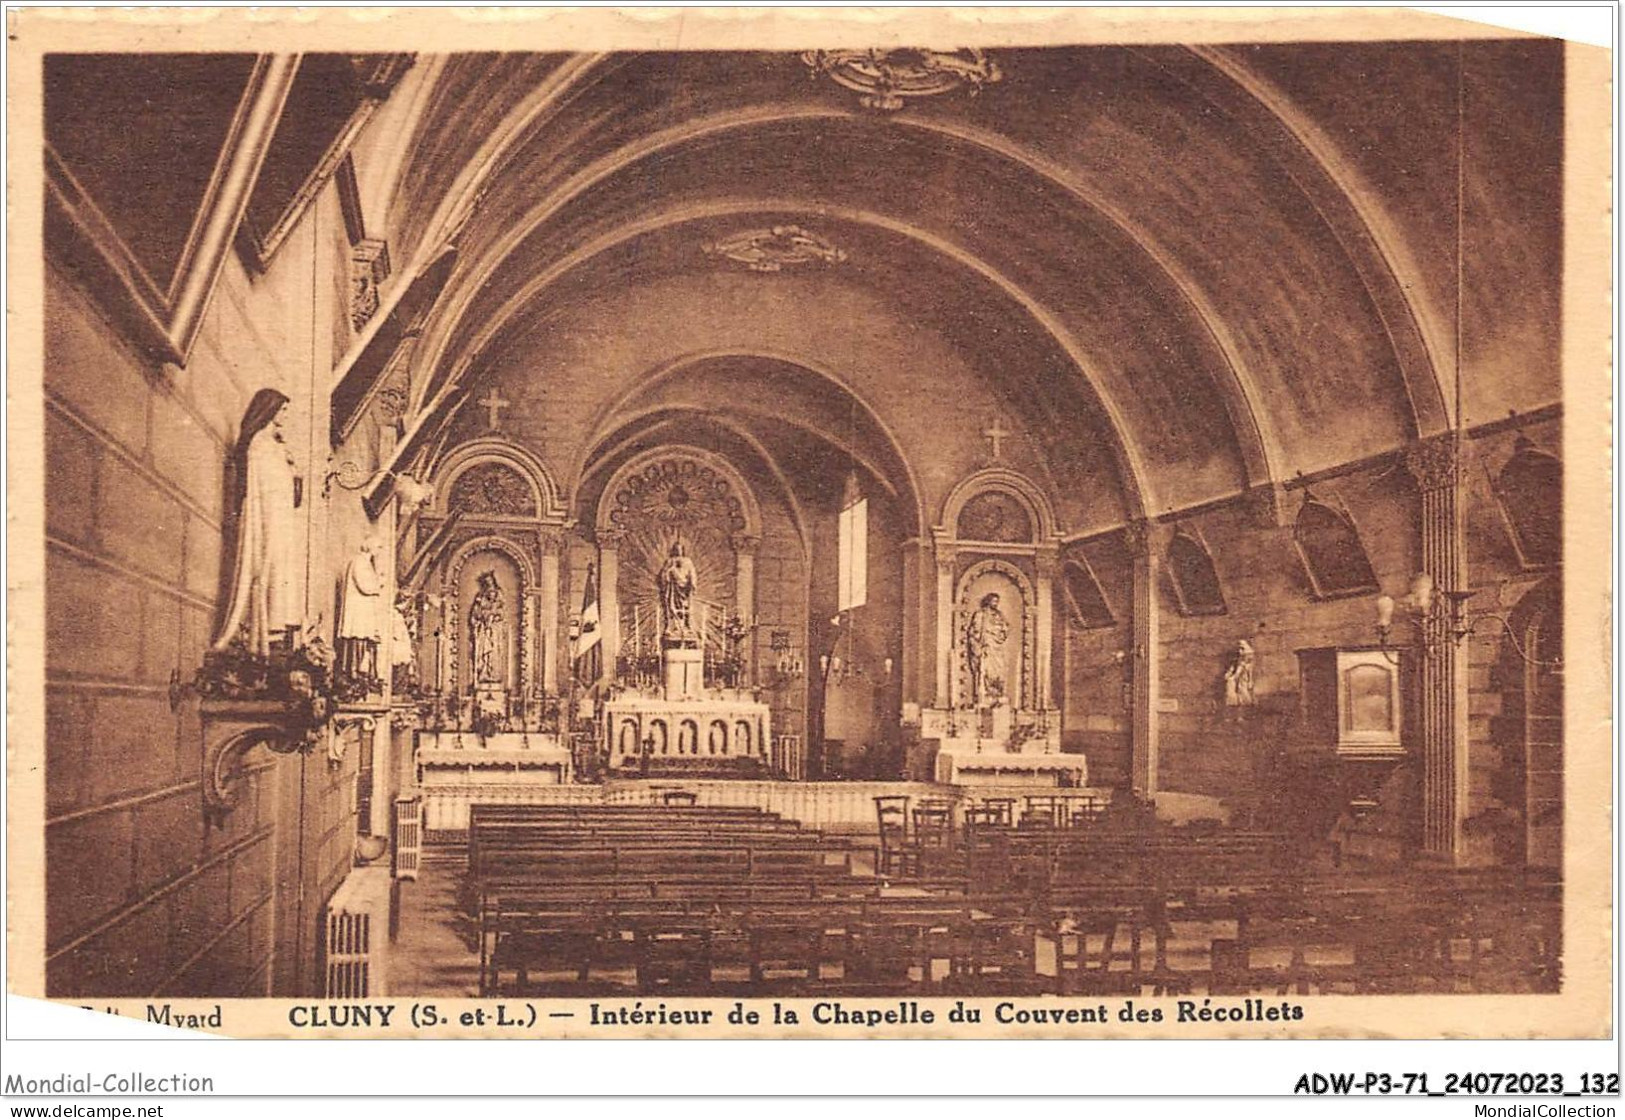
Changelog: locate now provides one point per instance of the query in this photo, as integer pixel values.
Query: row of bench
(979, 945)
(699, 901)
(847, 944)
(670, 853)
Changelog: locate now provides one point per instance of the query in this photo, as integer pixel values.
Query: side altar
(997, 746)
(998, 560)
(460, 755)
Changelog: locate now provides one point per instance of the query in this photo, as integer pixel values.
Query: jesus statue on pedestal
(676, 582)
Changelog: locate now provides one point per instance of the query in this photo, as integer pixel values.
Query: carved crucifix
(996, 433)
(493, 403)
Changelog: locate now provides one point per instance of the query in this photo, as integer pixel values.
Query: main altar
(555, 657)
(697, 719)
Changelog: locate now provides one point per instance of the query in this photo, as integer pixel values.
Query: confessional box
(1353, 701)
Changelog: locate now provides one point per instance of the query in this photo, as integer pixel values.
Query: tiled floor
(436, 947)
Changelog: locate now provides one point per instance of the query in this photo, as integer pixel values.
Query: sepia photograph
(1079, 532)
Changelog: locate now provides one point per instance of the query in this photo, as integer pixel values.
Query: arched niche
(1004, 591)
(997, 525)
(491, 490)
(655, 499)
(516, 577)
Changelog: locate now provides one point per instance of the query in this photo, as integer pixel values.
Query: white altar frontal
(727, 728)
(528, 758)
(998, 746)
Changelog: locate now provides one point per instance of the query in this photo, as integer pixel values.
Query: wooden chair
(1083, 809)
(1043, 811)
(891, 813)
(1004, 809)
(933, 836)
(1091, 957)
(982, 818)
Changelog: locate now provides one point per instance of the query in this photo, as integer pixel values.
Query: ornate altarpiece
(707, 723)
(997, 537)
(495, 510)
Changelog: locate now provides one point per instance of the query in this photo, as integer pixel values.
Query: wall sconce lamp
(349, 476)
(1439, 615)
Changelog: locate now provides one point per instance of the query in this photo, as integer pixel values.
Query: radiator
(788, 758)
(408, 837)
(357, 944)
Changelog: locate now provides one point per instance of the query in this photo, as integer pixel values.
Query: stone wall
(1256, 760)
(144, 896)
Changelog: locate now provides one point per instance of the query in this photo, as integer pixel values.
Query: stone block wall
(144, 895)
(1255, 759)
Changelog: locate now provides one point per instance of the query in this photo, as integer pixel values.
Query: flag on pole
(589, 651)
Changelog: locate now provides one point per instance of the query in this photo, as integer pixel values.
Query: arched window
(1195, 581)
(1330, 548)
(1530, 491)
(852, 548)
(1084, 597)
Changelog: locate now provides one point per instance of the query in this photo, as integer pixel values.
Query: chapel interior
(1050, 520)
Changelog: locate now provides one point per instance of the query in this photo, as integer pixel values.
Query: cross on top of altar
(493, 403)
(996, 433)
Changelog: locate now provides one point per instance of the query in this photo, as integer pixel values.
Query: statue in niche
(488, 629)
(676, 583)
(1238, 678)
(986, 635)
(362, 612)
(263, 607)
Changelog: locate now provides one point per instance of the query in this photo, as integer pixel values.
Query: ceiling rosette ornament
(886, 78)
(769, 250)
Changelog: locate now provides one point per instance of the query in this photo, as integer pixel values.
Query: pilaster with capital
(745, 547)
(947, 562)
(1046, 562)
(609, 604)
(915, 604)
(1140, 540)
(1438, 467)
(551, 543)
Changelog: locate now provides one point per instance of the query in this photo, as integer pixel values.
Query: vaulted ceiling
(1183, 272)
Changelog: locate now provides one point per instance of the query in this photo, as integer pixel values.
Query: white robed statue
(363, 613)
(263, 602)
(986, 635)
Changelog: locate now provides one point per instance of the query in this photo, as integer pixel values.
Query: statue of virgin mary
(488, 632)
(264, 589)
